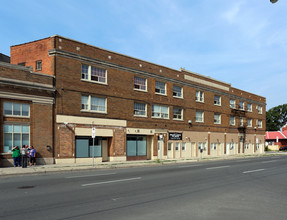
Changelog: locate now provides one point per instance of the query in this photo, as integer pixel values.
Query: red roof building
(277, 137)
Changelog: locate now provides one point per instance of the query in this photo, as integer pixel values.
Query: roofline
(116, 52)
(30, 42)
(23, 68)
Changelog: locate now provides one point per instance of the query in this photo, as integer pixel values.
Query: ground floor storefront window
(15, 135)
(136, 146)
(85, 147)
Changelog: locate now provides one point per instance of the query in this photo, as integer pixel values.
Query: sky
(242, 42)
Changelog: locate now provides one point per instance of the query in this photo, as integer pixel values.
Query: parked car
(283, 148)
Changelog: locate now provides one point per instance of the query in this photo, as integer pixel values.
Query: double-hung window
(160, 88)
(199, 116)
(259, 123)
(199, 96)
(260, 109)
(217, 100)
(241, 121)
(241, 105)
(94, 74)
(232, 120)
(249, 107)
(140, 83)
(177, 91)
(217, 118)
(94, 104)
(177, 113)
(16, 109)
(159, 111)
(232, 103)
(139, 109)
(249, 122)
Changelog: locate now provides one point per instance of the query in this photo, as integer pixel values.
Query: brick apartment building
(139, 110)
(27, 100)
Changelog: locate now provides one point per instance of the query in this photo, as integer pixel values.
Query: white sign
(93, 132)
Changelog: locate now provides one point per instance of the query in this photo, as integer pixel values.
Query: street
(251, 188)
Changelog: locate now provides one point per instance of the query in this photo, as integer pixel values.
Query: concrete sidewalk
(38, 169)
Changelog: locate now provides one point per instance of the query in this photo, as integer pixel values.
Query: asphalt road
(253, 188)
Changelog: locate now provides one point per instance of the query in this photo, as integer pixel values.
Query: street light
(273, 1)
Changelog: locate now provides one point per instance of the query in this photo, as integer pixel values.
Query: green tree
(276, 118)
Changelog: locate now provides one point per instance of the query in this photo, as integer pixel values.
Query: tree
(276, 118)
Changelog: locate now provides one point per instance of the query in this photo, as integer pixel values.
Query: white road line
(112, 181)
(189, 166)
(269, 161)
(252, 171)
(212, 168)
(104, 174)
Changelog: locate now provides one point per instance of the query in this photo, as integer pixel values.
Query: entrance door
(227, 148)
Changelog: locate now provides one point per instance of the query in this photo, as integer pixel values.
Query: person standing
(24, 151)
(32, 154)
(16, 156)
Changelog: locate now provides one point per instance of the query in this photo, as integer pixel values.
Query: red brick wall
(32, 52)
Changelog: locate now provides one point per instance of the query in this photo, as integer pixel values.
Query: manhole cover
(26, 187)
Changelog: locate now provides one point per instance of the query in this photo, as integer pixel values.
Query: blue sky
(242, 42)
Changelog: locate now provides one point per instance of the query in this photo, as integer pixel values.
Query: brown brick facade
(63, 58)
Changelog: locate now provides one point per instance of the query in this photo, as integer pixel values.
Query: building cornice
(25, 97)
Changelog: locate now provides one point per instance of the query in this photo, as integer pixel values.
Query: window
(217, 100)
(232, 120)
(139, 109)
(241, 121)
(39, 65)
(201, 146)
(15, 135)
(183, 146)
(241, 105)
(159, 111)
(249, 122)
(259, 123)
(213, 146)
(169, 144)
(176, 146)
(199, 116)
(140, 83)
(88, 147)
(249, 107)
(16, 109)
(177, 113)
(94, 74)
(217, 119)
(95, 104)
(232, 103)
(231, 146)
(136, 145)
(260, 109)
(160, 88)
(199, 96)
(246, 146)
(177, 91)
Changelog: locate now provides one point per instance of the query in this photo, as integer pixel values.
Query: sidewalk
(4, 171)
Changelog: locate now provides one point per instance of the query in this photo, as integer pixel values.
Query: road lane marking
(104, 174)
(269, 161)
(189, 166)
(212, 168)
(112, 181)
(252, 171)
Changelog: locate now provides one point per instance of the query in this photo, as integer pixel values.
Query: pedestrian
(16, 156)
(32, 155)
(24, 152)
